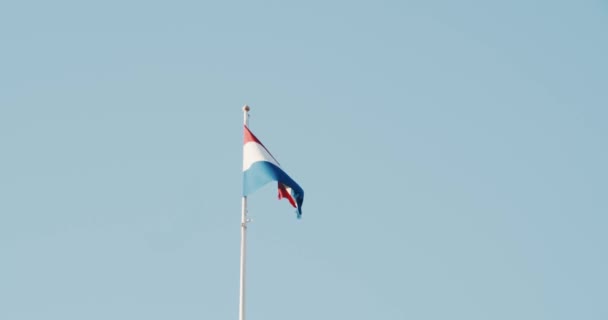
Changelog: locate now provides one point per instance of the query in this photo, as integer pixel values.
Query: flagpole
(244, 222)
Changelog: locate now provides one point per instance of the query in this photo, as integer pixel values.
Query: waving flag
(260, 168)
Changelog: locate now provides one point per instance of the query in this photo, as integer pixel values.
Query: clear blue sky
(453, 155)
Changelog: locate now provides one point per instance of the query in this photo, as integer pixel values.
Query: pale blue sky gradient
(453, 155)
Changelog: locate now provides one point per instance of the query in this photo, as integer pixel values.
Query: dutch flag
(260, 168)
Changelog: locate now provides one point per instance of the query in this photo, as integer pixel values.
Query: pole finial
(246, 115)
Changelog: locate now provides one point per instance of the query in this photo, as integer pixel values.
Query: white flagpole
(244, 222)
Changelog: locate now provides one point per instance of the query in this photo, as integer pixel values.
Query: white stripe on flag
(254, 152)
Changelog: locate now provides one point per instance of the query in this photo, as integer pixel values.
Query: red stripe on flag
(250, 137)
(284, 193)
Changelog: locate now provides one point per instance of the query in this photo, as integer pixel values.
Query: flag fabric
(260, 168)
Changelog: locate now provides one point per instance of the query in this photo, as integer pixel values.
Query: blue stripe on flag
(262, 172)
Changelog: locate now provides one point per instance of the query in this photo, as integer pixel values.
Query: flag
(260, 168)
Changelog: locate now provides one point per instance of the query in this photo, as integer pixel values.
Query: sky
(453, 156)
